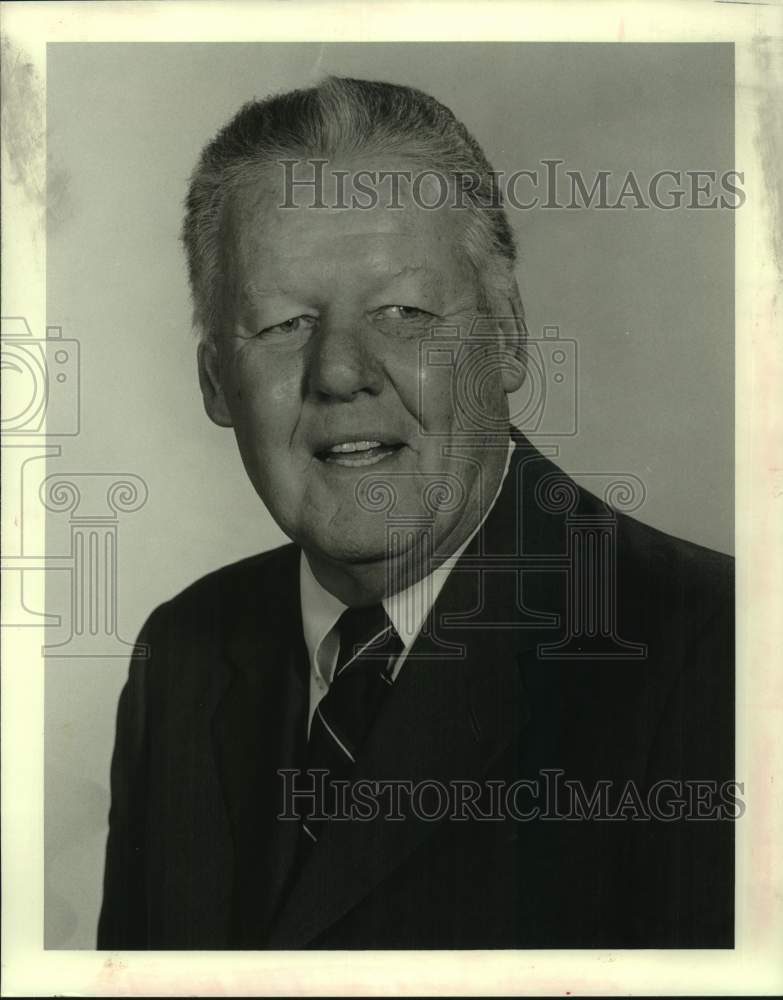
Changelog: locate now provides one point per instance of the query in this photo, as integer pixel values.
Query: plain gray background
(647, 295)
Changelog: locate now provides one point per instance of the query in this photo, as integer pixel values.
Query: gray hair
(342, 116)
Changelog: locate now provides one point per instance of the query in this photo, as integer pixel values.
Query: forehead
(265, 240)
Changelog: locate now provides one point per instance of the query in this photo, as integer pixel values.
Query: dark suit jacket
(543, 677)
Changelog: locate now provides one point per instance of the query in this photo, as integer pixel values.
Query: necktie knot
(366, 634)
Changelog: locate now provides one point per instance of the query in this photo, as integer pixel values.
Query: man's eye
(297, 324)
(404, 313)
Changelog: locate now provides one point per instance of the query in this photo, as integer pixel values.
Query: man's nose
(342, 363)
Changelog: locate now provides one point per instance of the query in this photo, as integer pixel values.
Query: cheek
(263, 394)
(467, 394)
(432, 395)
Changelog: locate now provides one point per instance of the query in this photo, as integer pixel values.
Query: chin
(349, 550)
(347, 543)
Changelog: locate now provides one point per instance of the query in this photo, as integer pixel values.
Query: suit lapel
(258, 727)
(438, 725)
(446, 719)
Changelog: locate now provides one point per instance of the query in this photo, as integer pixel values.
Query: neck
(359, 584)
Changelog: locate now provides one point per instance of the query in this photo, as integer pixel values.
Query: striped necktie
(369, 648)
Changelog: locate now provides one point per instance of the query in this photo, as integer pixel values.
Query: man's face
(319, 368)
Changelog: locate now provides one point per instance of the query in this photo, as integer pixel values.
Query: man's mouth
(354, 454)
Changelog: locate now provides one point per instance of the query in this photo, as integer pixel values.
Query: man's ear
(211, 384)
(514, 333)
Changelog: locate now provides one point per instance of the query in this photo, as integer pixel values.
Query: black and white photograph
(378, 477)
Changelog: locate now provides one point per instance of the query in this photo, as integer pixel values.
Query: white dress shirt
(406, 609)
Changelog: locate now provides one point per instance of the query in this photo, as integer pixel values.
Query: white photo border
(753, 967)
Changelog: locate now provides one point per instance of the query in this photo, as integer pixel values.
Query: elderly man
(397, 731)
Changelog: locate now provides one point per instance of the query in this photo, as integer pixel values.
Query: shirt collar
(406, 609)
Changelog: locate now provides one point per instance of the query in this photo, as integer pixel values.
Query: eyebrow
(409, 269)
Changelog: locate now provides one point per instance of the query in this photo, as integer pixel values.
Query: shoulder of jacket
(225, 585)
(692, 565)
(653, 553)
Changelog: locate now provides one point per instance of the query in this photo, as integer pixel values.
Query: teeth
(350, 446)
